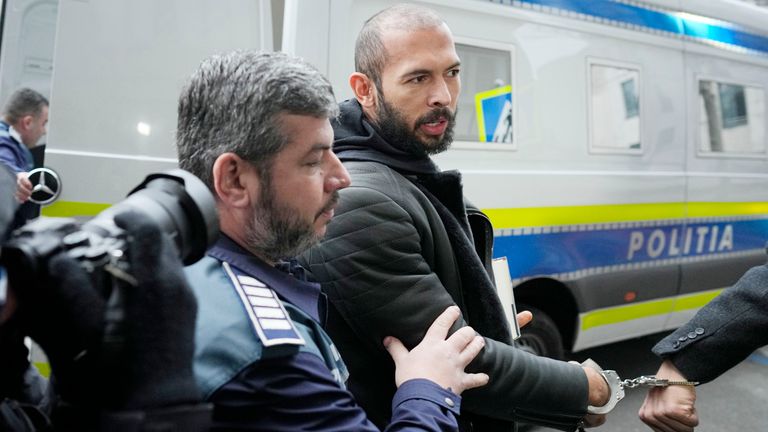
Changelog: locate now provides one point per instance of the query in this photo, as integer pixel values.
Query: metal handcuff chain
(616, 386)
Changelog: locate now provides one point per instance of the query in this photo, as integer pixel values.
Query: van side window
(614, 108)
(485, 109)
(731, 119)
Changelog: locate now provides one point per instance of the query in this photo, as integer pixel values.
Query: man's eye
(453, 73)
(419, 79)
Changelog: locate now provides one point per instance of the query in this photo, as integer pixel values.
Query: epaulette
(267, 313)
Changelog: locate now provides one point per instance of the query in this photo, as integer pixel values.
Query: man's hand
(670, 409)
(524, 318)
(23, 187)
(438, 359)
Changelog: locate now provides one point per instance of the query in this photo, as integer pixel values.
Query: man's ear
(364, 89)
(233, 180)
(26, 122)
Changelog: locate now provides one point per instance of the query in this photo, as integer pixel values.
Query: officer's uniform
(18, 158)
(265, 362)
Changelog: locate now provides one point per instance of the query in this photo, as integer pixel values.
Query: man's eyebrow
(427, 71)
(319, 147)
(417, 72)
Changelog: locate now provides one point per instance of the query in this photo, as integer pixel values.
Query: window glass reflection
(732, 118)
(485, 102)
(615, 108)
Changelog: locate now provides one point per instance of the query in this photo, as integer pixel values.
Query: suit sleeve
(299, 393)
(372, 267)
(722, 333)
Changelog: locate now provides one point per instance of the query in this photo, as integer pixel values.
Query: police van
(618, 146)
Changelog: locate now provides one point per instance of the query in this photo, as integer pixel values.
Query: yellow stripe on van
(618, 314)
(73, 209)
(591, 214)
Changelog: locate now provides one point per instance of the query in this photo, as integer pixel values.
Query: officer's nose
(339, 177)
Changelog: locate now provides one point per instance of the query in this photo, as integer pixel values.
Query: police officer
(255, 127)
(23, 123)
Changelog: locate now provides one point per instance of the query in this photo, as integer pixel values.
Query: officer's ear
(236, 181)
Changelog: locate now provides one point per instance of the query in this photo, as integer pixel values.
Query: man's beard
(395, 130)
(276, 232)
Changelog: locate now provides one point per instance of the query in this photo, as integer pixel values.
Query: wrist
(609, 399)
(599, 390)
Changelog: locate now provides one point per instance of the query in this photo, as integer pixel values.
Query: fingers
(442, 324)
(472, 349)
(395, 348)
(23, 187)
(524, 318)
(669, 410)
(475, 380)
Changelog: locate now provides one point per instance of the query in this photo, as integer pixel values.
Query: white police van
(618, 146)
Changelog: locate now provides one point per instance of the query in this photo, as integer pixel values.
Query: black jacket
(402, 247)
(722, 333)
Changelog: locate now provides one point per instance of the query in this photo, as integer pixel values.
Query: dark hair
(24, 102)
(232, 104)
(370, 54)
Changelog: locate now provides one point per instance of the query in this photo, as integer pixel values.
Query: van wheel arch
(555, 317)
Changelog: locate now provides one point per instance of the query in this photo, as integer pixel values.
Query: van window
(732, 118)
(485, 110)
(614, 99)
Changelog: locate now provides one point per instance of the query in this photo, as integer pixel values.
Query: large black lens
(182, 207)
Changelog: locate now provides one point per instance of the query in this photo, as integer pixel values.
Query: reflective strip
(44, 368)
(630, 312)
(571, 215)
(73, 209)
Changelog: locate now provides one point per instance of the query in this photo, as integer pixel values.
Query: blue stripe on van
(534, 252)
(670, 22)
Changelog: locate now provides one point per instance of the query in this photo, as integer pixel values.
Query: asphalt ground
(737, 401)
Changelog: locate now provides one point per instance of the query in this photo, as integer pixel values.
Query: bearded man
(404, 244)
(255, 128)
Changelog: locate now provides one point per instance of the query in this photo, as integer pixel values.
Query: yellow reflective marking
(43, 368)
(615, 315)
(479, 97)
(709, 209)
(591, 214)
(72, 209)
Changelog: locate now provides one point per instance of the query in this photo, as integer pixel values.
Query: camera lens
(180, 204)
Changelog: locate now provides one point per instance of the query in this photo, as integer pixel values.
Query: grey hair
(233, 101)
(370, 53)
(24, 102)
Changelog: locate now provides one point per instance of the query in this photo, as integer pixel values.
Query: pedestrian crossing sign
(494, 115)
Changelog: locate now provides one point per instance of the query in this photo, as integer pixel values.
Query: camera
(179, 203)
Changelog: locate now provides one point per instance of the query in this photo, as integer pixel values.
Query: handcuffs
(616, 386)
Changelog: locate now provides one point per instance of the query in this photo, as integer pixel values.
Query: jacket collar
(286, 279)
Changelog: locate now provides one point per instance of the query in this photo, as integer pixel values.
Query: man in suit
(718, 337)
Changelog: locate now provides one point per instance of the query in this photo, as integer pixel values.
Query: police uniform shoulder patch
(265, 310)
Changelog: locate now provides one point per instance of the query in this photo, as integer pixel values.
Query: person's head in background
(407, 77)
(27, 112)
